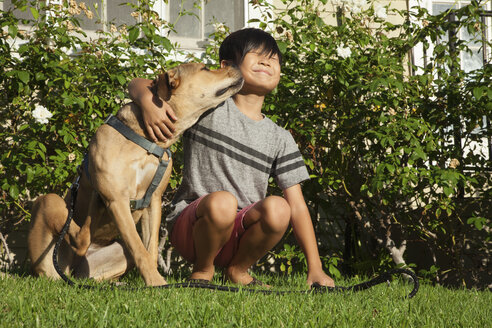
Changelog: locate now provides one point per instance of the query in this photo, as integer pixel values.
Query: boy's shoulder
(283, 132)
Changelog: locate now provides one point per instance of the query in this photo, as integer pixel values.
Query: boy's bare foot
(242, 278)
(202, 274)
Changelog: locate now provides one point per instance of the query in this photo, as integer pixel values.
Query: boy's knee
(276, 213)
(220, 208)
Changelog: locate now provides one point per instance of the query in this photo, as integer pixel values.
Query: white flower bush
(41, 114)
(343, 51)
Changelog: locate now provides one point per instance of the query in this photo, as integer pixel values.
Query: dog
(102, 241)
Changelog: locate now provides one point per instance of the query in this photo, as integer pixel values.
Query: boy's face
(261, 73)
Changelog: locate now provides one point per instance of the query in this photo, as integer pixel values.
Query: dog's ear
(164, 83)
(173, 76)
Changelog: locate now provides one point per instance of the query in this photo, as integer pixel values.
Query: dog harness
(150, 147)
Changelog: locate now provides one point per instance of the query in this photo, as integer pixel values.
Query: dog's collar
(131, 135)
(151, 148)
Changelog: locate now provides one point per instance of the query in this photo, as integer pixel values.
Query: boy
(222, 215)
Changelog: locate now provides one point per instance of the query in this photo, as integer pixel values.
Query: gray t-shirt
(226, 150)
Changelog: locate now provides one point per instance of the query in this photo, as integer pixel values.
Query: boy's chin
(260, 90)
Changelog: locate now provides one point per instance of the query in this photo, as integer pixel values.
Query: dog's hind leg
(104, 263)
(48, 216)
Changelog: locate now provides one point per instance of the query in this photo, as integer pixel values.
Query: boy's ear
(164, 83)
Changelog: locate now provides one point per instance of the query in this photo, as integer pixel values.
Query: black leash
(315, 288)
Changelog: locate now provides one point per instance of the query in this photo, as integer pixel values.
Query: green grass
(35, 302)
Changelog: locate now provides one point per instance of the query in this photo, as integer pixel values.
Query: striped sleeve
(289, 168)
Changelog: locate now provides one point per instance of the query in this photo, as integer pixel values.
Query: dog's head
(192, 88)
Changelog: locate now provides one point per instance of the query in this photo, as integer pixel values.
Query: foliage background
(378, 141)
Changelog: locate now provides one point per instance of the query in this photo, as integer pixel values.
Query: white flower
(454, 163)
(355, 6)
(380, 11)
(343, 52)
(219, 27)
(41, 114)
(71, 157)
(7, 124)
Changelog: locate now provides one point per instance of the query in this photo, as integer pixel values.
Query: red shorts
(182, 235)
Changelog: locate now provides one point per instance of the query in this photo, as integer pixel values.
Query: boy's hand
(158, 119)
(157, 115)
(320, 277)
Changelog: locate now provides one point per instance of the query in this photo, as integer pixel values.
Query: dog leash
(315, 288)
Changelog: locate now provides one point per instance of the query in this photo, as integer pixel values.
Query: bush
(381, 141)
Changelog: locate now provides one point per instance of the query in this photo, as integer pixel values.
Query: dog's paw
(155, 280)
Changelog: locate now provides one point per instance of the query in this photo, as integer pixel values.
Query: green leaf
(166, 43)
(478, 222)
(23, 76)
(13, 31)
(121, 79)
(334, 271)
(14, 191)
(477, 93)
(34, 12)
(282, 46)
(133, 34)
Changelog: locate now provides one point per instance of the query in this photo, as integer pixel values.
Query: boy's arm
(157, 114)
(304, 232)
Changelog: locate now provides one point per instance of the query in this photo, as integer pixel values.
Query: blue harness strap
(150, 147)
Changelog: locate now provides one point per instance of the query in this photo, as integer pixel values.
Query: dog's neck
(183, 121)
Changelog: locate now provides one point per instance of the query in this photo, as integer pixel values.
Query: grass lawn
(33, 302)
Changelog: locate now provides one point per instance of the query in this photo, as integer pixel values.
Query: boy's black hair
(237, 44)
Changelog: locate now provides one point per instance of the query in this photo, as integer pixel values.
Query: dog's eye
(204, 68)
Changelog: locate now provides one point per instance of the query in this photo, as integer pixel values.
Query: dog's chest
(144, 172)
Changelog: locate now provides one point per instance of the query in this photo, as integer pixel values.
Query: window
(103, 12)
(108, 12)
(205, 13)
(478, 56)
(7, 4)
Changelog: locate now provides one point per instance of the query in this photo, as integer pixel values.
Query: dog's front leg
(151, 223)
(146, 264)
(146, 227)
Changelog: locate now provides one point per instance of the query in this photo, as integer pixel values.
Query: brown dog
(119, 171)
